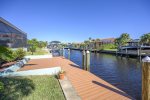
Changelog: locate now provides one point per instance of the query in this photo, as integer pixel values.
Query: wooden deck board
(87, 85)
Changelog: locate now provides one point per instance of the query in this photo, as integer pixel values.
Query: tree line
(125, 38)
(122, 40)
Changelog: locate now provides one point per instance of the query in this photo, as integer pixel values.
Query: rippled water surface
(121, 72)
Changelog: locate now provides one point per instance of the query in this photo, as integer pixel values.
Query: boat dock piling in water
(88, 60)
(84, 59)
(146, 78)
(69, 54)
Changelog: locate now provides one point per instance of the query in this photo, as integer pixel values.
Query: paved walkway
(87, 85)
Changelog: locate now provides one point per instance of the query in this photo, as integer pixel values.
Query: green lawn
(111, 49)
(38, 52)
(31, 88)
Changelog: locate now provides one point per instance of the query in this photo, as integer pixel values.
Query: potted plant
(61, 74)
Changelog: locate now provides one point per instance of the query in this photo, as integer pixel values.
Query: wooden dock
(127, 53)
(87, 85)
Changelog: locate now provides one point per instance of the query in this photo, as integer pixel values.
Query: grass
(39, 51)
(31, 88)
(111, 49)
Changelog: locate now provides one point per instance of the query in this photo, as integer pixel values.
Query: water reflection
(124, 73)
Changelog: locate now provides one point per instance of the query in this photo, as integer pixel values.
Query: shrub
(19, 54)
(6, 54)
(1, 86)
(107, 46)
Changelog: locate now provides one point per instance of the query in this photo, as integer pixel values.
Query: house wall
(11, 37)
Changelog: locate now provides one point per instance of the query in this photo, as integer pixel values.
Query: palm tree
(145, 39)
(124, 38)
(87, 42)
(97, 43)
(90, 39)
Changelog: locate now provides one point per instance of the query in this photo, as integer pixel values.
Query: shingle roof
(108, 40)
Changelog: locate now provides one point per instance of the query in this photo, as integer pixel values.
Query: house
(11, 36)
(134, 42)
(97, 43)
(108, 41)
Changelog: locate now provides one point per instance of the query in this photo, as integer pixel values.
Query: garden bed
(31, 88)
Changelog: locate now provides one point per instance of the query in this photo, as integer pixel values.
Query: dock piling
(84, 59)
(68, 53)
(87, 60)
(63, 52)
(146, 78)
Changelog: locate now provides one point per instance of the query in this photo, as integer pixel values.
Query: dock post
(69, 54)
(88, 60)
(140, 54)
(138, 51)
(83, 60)
(126, 52)
(60, 52)
(146, 78)
(63, 52)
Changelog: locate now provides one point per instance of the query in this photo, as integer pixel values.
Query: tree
(90, 38)
(86, 42)
(32, 49)
(82, 45)
(145, 39)
(42, 44)
(97, 40)
(33, 42)
(117, 42)
(97, 43)
(123, 39)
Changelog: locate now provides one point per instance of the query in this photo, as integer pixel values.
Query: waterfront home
(135, 50)
(134, 42)
(11, 36)
(108, 41)
(96, 44)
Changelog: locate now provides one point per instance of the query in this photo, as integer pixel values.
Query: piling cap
(146, 59)
(68, 49)
(87, 51)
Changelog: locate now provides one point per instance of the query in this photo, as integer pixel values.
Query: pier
(128, 51)
(87, 85)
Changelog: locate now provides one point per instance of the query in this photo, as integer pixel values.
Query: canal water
(123, 73)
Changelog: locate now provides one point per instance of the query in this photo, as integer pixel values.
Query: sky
(77, 20)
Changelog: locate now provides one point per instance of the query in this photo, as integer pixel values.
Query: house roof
(134, 41)
(7, 27)
(56, 42)
(108, 40)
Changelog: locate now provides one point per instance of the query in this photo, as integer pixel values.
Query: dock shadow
(73, 65)
(112, 89)
(29, 64)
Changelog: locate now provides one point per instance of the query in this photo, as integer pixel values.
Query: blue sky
(77, 20)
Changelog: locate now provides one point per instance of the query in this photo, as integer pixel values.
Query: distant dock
(137, 51)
